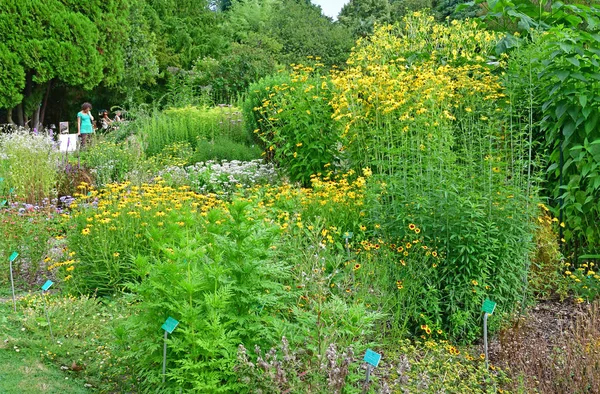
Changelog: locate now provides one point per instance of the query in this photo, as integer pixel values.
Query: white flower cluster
(221, 178)
(23, 140)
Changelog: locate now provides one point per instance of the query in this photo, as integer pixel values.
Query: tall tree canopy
(61, 41)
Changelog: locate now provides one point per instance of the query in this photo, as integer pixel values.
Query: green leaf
(568, 129)
(574, 61)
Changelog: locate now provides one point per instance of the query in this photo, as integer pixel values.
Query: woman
(85, 123)
(105, 121)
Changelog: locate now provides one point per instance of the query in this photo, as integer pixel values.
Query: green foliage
(295, 123)
(187, 30)
(26, 230)
(12, 76)
(223, 148)
(570, 123)
(28, 164)
(141, 63)
(435, 140)
(529, 15)
(303, 31)
(191, 125)
(221, 285)
(78, 46)
(448, 9)
(361, 16)
(109, 161)
(584, 280)
(231, 75)
(546, 279)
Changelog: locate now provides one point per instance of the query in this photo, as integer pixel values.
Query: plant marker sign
(45, 288)
(372, 359)
(488, 309)
(12, 258)
(347, 235)
(169, 326)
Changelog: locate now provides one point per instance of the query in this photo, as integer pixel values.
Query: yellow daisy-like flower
(85, 231)
(116, 254)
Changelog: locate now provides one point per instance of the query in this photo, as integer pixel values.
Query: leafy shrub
(295, 124)
(223, 287)
(420, 107)
(26, 229)
(256, 94)
(231, 75)
(28, 165)
(570, 125)
(109, 161)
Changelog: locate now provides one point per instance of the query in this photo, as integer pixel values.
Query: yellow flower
(116, 254)
(85, 231)
(356, 267)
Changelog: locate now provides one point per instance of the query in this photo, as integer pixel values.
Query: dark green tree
(304, 31)
(361, 16)
(58, 41)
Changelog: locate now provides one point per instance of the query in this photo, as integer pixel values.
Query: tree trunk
(45, 103)
(20, 119)
(9, 118)
(35, 119)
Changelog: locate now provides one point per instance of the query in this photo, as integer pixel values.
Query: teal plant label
(169, 325)
(372, 358)
(13, 256)
(2, 203)
(1, 179)
(47, 285)
(488, 306)
(12, 189)
(348, 234)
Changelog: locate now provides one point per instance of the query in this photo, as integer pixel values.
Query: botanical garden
(402, 200)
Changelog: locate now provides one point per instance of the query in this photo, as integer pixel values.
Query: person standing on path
(85, 123)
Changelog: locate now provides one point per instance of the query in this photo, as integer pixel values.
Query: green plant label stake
(347, 235)
(45, 288)
(487, 308)
(169, 325)
(12, 258)
(372, 359)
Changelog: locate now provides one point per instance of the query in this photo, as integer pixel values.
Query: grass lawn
(23, 371)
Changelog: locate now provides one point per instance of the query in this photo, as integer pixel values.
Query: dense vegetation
(295, 190)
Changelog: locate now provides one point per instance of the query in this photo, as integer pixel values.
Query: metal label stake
(169, 325)
(12, 258)
(45, 288)
(372, 359)
(487, 308)
(347, 235)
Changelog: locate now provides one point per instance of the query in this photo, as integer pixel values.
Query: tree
(12, 80)
(79, 45)
(360, 16)
(304, 31)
